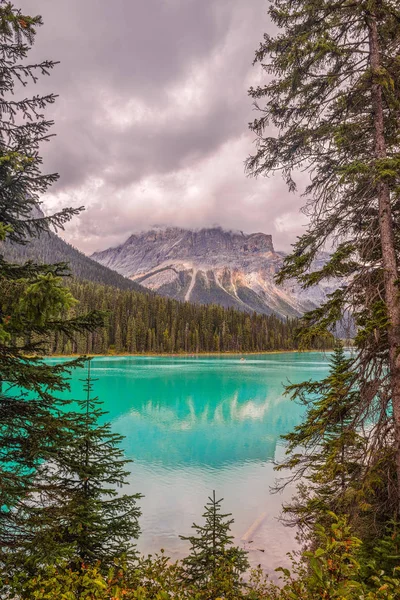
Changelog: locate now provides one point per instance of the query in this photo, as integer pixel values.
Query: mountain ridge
(49, 248)
(212, 265)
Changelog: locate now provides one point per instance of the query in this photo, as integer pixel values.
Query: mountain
(49, 248)
(139, 321)
(213, 265)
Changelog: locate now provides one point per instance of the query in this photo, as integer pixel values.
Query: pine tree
(75, 513)
(386, 551)
(34, 305)
(325, 453)
(332, 97)
(118, 339)
(214, 564)
(168, 318)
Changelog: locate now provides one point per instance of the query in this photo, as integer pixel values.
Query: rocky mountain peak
(210, 265)
(196, 242)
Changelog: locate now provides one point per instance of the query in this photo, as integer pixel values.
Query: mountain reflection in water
(193, 424)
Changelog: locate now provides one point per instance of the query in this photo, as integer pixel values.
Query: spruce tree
(325, 452)
(330, 106)
(214, 564)
(102, 522)
(34, 305)
(75, 515)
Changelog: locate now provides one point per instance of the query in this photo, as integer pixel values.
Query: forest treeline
(136, 322)
(139, 321)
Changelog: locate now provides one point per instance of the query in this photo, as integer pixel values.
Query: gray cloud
(152, 117)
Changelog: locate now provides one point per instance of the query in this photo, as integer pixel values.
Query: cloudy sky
(152, 117)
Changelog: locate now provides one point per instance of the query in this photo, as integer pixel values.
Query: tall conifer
(75, 514)
(325, 452)
(34, 306)
(330, 106)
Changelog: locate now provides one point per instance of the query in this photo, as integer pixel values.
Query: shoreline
(185, 354)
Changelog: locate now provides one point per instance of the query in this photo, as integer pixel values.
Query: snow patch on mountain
(213, 265)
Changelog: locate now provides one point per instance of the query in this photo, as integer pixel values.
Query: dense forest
(137, 322)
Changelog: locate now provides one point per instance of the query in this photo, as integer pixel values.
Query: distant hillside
(141, 321)
(50, 248)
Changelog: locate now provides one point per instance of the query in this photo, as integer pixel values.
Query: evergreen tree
(161, 324)
(386, 550)
(118, 339)
(75, 513)
(34, 306)
(214, 564)
(332, 99)
(325, 451)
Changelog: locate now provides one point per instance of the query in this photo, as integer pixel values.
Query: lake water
(194, 424)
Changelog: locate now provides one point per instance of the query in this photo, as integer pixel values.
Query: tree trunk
(389, 258)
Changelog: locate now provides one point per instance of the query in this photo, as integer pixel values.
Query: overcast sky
(152, 118)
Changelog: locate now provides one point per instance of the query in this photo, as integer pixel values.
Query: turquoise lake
(194, 424)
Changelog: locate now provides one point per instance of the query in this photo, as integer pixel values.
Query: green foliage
(143, 322)
(74, 511)
(317, 111)
(34, 424)
(332, 571)
(384, 552)
(44, 299)
(214, 564)
(325, 452)
(23, 128)
(152, 578)
(4, 231)
(329, 106)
